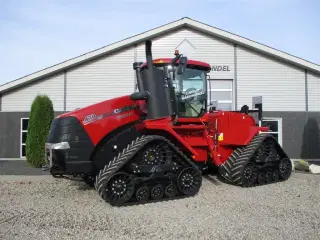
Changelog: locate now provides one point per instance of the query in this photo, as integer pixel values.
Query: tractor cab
(185, 84)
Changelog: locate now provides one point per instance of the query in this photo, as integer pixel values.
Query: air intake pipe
(153, 81)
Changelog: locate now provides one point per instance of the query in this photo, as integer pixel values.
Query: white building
(241, 69)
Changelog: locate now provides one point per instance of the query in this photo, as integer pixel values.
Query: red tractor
(155, 143)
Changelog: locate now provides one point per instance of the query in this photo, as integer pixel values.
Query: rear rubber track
(147, 171)
(261, 162)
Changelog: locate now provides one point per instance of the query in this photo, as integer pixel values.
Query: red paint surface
(195, 135)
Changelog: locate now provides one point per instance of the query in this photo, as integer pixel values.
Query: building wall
(281, 85)
(313, 92)
(10, 133)
(102, 79)
(20, 100)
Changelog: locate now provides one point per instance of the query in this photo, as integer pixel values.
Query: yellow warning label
(220, 137)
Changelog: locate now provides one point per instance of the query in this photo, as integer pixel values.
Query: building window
(275, 127)
(221, 91)
(23, 136)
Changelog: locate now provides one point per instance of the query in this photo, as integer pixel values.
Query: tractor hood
(104, 109)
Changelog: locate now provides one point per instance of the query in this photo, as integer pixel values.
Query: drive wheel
(285, 168)
(142, 194)
(189, 181)
(250, 174)
(157, 192)
(120, 188)
(170, 190)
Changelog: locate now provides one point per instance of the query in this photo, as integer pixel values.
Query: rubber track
(230, 162)
(239, 158)
(125, 156)
(244, 158)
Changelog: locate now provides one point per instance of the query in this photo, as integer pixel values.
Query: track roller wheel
(171, 190)
(285, 168)
(119, 188)
(250, 173)
(269, 177)
(157, 192)
(189, 181)
(142, 194)
(261, 178)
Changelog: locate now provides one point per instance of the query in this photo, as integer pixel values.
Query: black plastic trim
(69, 129)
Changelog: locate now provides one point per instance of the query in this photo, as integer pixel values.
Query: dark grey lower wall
(10, 133)
(300, 132)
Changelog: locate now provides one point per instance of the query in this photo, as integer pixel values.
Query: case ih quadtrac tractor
(155, 143)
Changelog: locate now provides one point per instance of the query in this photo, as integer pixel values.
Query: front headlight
(61, 145)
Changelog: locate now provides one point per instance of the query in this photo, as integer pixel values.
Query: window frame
(279, 132)
(21, 135)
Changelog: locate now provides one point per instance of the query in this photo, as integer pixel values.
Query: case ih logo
(90, 118)
(93, 117)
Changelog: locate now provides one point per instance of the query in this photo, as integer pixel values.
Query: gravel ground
(45, 208)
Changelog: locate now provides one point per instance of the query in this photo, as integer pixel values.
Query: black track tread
(241, 156)
(126, 155)
(228, 165)
(244, 158)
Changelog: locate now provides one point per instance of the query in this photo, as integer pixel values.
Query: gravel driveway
(61, 209)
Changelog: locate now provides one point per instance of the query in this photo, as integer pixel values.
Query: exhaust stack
(153, 81)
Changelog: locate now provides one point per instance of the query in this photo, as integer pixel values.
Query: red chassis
(231, 129)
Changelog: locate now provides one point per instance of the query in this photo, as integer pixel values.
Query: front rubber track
(118, 167)
(263, 171)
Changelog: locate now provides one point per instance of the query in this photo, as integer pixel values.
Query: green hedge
(40, 119)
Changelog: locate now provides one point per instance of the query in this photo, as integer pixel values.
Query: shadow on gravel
(20, 167)
(80, 185)
(213, 178)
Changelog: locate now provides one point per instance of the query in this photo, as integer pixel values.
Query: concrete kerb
(12, 159)
(26, 178)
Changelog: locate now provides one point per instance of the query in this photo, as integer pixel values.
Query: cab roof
(190, 63)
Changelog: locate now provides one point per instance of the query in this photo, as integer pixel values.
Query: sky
(36, 34)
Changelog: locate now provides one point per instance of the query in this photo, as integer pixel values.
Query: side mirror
(137, 65)
(182, 65)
